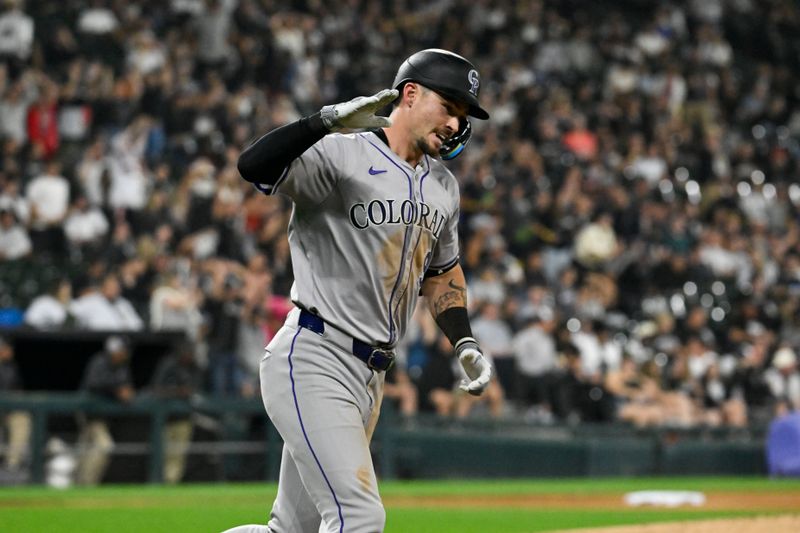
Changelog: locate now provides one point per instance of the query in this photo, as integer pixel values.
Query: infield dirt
(759, 524)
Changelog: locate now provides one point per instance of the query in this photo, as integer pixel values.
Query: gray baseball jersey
(365, 228)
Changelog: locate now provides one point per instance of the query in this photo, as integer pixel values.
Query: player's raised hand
(475, 365)
(358, 113)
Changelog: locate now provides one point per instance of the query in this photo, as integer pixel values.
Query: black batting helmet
(446, 73)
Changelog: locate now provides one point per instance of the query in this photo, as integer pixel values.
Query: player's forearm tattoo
(457, 297)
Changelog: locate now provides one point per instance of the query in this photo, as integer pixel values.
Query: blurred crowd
(630, 226)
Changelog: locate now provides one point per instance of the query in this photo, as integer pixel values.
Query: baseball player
(374, 225)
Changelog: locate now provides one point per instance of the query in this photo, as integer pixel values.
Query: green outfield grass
(213, 508)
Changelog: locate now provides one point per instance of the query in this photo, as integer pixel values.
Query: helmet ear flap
(453, 146)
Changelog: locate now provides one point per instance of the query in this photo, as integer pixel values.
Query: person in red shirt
(580, 140)
(43, 121)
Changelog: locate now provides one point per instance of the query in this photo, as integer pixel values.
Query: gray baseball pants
(324, 402)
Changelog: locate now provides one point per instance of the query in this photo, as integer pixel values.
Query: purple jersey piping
(281, 179)
(392, 332)
(428, 161)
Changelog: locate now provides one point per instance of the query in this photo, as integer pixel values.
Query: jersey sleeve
(310, 178)
(445, 253)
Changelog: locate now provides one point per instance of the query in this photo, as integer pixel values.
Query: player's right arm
(265, 161)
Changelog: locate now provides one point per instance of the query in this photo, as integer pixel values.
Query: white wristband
(465, 340)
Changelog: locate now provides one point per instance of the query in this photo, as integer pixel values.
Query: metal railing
(43, 406)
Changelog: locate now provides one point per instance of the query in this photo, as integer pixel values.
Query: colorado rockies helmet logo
(474, 82)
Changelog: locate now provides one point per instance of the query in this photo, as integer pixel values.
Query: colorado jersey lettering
(378, 212)
(402, 221)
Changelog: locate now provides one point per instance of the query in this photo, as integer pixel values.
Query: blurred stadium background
(631, 232)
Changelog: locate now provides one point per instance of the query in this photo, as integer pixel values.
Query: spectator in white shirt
(597, 350)
(129, 178)
(50, 310)
(16, 32)
(13, 114)
(783, 380)
(97, 19)
(14, 240)
(48, 195)
(106, 309)
(86, 225)
(11, 199)
(146, 53)
(537, 363)
(494, 334)
(175, 306)
(91, 171)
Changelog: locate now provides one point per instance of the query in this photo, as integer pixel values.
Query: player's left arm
(447, 300)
